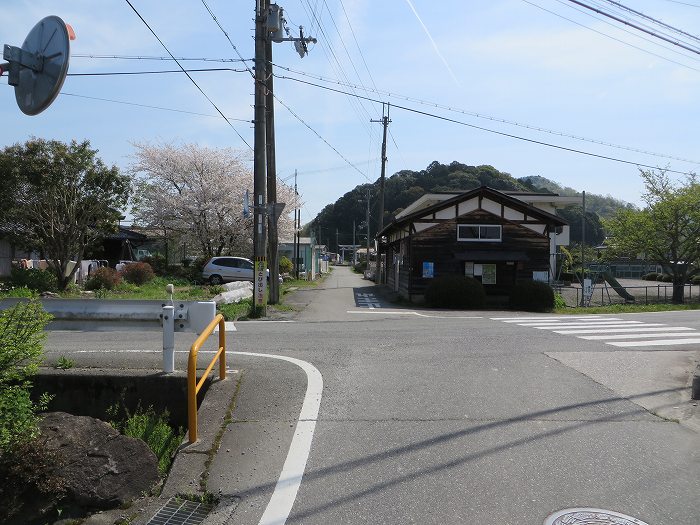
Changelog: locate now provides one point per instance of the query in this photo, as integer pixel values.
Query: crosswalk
(611, 330)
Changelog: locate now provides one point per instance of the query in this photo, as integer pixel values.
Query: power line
(157, 58)
(117, 73)
(216, 20)
(64, 93)
(612, 37)
(320, 137)
(652, 19)
(186, 73)
(491, 118)
(638, 27)
(495, 132)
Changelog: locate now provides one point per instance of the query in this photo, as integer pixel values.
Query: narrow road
(437, 417)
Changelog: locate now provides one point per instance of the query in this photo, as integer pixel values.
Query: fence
(605, 295)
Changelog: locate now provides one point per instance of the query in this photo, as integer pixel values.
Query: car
(225, 269)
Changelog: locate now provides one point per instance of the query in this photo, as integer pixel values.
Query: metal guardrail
(653, 294)
(193, 386)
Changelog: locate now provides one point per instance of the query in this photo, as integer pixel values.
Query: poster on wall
(428, 270)
(488, 274)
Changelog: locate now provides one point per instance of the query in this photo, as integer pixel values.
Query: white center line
(662, 342)
(610, 330)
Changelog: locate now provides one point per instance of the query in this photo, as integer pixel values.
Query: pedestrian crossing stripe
(612, 331)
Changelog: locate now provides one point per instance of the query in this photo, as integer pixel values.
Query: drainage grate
(591, 517)
(181, 512)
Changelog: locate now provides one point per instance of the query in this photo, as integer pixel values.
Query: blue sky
(538, 63)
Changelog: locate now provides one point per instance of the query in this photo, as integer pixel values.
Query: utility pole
(273, 244)
(354, 246)
(259, 163)
(385, 122)
(368, 228)
(296, 227)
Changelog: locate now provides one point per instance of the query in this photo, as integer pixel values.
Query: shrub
(455, 291)
(21, 351)
(559, 301)
(532, 296)
(285, 265)
(34, 279)
(651, 276)
(695, 279)
(138, 273)
(666, 278)
(360, 267)
(103, 279)
(158, 263)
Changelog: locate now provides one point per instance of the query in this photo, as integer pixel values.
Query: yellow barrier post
(193, 387)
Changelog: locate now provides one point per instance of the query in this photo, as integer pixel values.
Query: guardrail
(193, 386)
(653, 294)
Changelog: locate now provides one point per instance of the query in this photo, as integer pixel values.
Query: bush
(285, 265)
(559, 301)
(103, 279)
(695, 279)
(651, 276)
(138, 273)
(158, 263)
(21, 351)
(34, 279)
(360, 267)
(532, 296)
(455, 291)
(666, 278)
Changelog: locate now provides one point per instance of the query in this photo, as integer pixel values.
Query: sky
(466, 81)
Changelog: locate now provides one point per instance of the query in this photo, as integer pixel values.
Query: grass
(627, 308)
(64, 363)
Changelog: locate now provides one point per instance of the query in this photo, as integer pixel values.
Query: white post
(168, 339)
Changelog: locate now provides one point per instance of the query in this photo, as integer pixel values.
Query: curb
(695, 394)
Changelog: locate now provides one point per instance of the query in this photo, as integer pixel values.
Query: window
(486, 273)
(479, 232)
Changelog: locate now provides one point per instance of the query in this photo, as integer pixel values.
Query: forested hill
(404, 187)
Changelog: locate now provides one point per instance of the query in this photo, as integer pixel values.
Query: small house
(499, 238)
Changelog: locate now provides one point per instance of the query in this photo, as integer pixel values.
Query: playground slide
(615, 284)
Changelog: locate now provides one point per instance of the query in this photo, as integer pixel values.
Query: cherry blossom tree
(198, 193)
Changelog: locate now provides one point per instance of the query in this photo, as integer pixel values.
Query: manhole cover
(591, 517)
(181, 512)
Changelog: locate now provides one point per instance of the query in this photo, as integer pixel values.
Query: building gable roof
(432, 203)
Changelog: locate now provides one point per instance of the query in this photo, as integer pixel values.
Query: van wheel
(216, 279)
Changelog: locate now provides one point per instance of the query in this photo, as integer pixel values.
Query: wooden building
(493, 236)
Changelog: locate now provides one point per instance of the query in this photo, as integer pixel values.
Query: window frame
(478, 227)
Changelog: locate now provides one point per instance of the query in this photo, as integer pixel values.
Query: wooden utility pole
(273, 240)
(259, 163)
(380, 223)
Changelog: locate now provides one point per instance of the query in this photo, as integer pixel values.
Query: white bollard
(168, 339)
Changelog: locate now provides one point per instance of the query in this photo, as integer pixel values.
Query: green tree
(666, 231)
(64, 199)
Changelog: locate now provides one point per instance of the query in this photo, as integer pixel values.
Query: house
(496, 237)
(311, 256)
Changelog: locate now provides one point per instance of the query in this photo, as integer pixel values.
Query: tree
(666, 231)
(64, 199)
(198, 192)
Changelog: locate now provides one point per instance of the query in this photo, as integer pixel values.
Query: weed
(64, 363)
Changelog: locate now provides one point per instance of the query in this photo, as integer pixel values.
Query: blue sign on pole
(428, 270)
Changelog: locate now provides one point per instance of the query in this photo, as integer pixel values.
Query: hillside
(405, 186)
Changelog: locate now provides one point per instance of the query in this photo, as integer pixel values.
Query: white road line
(519, 319)
(610, 330)
(575, 321)
(370, 311)
(579, 323)
(597, 326)
(662, 342)
(665, 333)
(282, 500)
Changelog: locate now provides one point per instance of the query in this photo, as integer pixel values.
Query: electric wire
(117, 73)
(188, 75)
(632, 33)
(612, 37)
(652, 19)
(216, 20)
(495, 132)
(157, 58)
(495, 119)
(636, 26)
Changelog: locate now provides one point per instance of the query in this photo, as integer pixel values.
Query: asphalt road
(448, 417)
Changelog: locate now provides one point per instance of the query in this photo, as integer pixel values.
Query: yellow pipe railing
(193, 386)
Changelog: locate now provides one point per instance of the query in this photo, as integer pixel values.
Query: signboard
(488, 274)
(428, 270)
(260, 284)
(587, 288)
